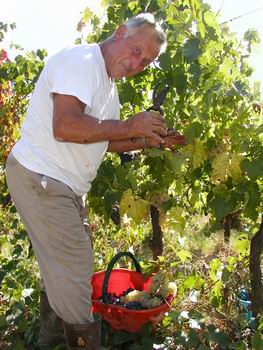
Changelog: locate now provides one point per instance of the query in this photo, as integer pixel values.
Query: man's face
(129, 56)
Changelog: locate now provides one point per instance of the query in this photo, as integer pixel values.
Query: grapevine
(216, 176)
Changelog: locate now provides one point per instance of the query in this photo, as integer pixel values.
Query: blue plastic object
(244, 302)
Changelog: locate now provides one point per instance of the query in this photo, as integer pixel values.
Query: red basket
(117, 281)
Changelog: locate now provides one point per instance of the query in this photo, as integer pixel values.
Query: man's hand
(152, 143)
(169, 141)
(150, 125)
(174, 138)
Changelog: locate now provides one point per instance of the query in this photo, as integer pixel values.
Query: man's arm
(132, 144)
(70, 124)
(139, 143)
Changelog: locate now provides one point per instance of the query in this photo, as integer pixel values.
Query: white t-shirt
(79, 71)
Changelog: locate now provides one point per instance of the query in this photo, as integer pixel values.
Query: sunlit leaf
(135, 208)
(220, 167)
(189, 282)
(234, 170)
(183, 255)
(199, 154)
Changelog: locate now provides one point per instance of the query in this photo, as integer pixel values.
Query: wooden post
(256, 250)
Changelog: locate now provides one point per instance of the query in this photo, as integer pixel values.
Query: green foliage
(18, 271)
(210, 101)
(17, 81)
(4, 28)
(205, 313)
(218, 173)
(19, 278)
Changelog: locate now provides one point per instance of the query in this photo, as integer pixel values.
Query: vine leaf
(234, 167)
(226, 165)
(253, 168)
(183, 255)
(199, 154)
(222, 207)
(135, 208)
(191, 49)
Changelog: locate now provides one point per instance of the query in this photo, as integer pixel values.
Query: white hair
(143, 20)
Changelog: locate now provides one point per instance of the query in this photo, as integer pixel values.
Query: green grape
(135, 295)
(157, 281)
(159, 290)
(167, 289)
(153, 302)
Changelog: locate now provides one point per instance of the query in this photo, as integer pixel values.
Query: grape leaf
(257, 341)
(220, 167)
(183, 255)
(221, 206)
(234, 170)
(199, 154)
(191, 49)
(135, 208)
(253, 168)
(226, 165)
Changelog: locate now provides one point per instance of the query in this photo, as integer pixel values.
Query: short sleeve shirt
(79, 71)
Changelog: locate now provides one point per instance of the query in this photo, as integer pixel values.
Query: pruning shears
(158, 99)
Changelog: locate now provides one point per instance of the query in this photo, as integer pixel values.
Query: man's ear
(120, 32)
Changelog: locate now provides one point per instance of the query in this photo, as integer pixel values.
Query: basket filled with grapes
(127, 299)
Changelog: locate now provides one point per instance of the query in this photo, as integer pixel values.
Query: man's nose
(136, 63)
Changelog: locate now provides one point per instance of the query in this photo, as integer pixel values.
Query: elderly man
(72, 120)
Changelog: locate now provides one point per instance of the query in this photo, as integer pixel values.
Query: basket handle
(110, 268)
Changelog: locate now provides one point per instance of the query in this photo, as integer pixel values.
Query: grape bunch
(116, 300)
(133, 299)
(113, 299)
(134, 305)
(115, 214)
(126, 157)
(147, 300)
(127, 291)
(161, 287)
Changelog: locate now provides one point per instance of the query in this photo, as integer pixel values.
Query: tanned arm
(71, 124)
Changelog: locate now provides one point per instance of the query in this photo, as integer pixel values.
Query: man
(72, 120)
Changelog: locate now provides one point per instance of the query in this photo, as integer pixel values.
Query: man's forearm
(86, 129)
(127, 145)
(71, 124)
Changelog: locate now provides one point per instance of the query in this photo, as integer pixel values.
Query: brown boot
(86, 337)
(51, 330)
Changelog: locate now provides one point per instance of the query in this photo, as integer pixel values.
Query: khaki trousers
(55, 221)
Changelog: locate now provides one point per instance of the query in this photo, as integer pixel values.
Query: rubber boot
(51, 330)
(85, 337)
